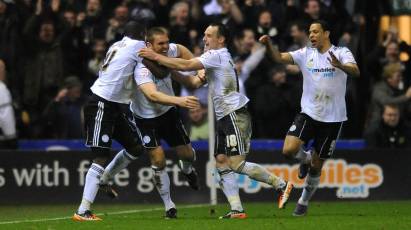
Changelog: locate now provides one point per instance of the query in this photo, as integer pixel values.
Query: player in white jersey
(156, 115)
(324, 68)
(8, 135)
(107, 116)
(233, 131)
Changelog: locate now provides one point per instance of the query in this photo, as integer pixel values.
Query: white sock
(119, 162)
(257, 172)
(303, 156)
(186, 166)
(162, 183)
(311, 186)
(228, 183)
(90, 187)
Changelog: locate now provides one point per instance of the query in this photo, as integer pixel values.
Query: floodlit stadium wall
(58, 177)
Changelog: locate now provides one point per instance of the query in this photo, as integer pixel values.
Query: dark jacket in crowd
(380, 135)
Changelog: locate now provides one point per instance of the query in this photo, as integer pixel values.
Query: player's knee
(289, 150)
(221, 159)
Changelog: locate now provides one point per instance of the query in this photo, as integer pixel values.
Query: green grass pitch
(322, 215)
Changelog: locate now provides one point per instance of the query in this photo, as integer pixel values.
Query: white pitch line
(101, 214)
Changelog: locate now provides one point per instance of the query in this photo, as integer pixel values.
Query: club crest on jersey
(105, 138)
(310, 63)
(146, 139)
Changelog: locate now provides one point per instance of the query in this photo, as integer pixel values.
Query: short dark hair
(324, 25)
(134, 30)
(300, 24)
(155, 31)
(222, 31)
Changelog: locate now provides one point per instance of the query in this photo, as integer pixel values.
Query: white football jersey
(324, 86)
(115, 82)
(223, 82)
(140, 105)
(5, 96)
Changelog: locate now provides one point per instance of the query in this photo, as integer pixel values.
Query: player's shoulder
(172, 50)
(212, 53)
(340, 49)
(137, 43)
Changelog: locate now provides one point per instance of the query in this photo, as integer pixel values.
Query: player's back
(115, 82)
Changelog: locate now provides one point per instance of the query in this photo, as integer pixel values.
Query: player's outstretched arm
(274, 54)
(172, 63)
(150, 91)
(184, 52)
(349, 68)
(192, 82)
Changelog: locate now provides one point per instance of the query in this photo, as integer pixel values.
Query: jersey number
(109, 56)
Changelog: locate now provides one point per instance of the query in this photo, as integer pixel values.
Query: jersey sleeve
(142, 75)
(298, 55)
(346, 56)
(210, 59)
(172, 50)
(137, 47)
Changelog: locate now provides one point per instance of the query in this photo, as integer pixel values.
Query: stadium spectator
(72, 43)
(228, 13)
(43, 68)
(312, 11)
(298, 33)
(95, 63)
(278, 98)
(246, 65)
(198, 123)
(66, 106)
(141, 11)
(265, 26)
(116, 24)
(388, 91)
(390, 131)
(92, 21)
(8, 134)
(388, 52)
(181, 31)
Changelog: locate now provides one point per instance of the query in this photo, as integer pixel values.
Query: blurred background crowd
(51, 52)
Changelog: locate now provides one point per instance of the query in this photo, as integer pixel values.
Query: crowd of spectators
(52, 51)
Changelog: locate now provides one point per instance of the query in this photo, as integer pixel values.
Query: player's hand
(265, 39)
(189, 102)
(408, 93)
(80, 18)
(39, 7)
(201, 75)
(148, 53)
(334, 61)
(62, 93)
